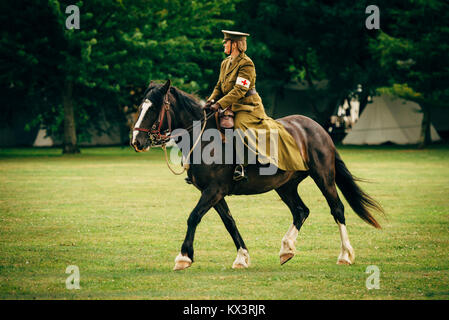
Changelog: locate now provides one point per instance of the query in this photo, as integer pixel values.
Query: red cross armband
(243, 82)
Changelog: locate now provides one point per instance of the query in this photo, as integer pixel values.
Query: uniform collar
(233, 62)
(237, 58)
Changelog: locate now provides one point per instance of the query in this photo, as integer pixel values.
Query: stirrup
(239, 173)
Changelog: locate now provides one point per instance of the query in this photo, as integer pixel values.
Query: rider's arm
(217, 93)
(245, 80)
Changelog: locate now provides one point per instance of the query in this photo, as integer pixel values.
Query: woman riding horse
(236, 89)
(320, 160)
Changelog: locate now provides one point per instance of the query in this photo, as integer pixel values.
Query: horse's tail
(359, 201)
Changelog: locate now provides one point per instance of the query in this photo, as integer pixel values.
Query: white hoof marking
(242, 261)
(182, 262)
(347, 254)
(288, 248)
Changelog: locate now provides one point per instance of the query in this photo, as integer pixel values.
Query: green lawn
(121, 218)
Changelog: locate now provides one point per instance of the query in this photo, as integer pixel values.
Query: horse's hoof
(344, 262)
(346, 257)
(239, 265)
(181, 265)
(286, 257)
(182, 262)
(242, 260)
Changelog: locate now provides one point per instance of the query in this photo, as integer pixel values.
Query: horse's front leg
(209, 198)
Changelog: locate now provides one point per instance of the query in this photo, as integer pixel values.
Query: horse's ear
(166, 86)
(151, 84)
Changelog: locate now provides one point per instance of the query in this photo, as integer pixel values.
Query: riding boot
(240, 173)
(188, 179)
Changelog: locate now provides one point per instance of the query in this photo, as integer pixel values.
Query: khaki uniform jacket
(237, 76)
(227, 89)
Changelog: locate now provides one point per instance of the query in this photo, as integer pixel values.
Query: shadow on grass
(127, 151)
(54, 152)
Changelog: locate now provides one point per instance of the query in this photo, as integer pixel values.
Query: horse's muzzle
(138, 148)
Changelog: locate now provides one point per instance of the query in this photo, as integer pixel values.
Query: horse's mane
(187, 101)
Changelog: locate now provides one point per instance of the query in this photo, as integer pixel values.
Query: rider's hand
(215, 107)
(208, 104)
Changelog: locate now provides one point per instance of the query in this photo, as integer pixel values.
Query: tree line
(70, 80)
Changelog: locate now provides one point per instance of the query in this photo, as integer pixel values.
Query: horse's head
(150, 122)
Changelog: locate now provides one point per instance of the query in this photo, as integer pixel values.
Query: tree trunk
(425, 138)
(69, 120)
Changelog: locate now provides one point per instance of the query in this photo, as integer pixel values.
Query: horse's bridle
(154, 134)
(157, 139)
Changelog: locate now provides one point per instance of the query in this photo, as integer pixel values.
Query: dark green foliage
(123, 44)
(312, 41)
(119, 48)
(413, 46)
(413, 49)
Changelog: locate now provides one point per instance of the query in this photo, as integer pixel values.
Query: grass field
(113, 213)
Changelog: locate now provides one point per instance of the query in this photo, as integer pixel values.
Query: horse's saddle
(225, 119)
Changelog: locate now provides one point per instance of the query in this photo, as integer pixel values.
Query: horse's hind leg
(242, 260)
(289, 194)
(326, 182)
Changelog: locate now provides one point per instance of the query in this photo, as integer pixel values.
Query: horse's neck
(195, 123)
(192, 119)
(185, 117)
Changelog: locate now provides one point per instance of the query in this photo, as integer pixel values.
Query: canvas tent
(42, 140)
(106, 139)
(388, 119)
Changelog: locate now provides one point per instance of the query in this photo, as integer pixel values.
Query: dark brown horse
(167, 108)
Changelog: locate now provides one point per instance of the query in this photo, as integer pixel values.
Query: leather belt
(250, 92)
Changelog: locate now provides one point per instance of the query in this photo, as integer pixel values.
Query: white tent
(42, 140)
(388, 119)
(107, 139)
